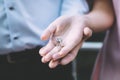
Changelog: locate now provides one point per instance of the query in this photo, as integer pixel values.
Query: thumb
(87, 33)
(48, 32)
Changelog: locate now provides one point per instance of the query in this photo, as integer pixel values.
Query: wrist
(84, 25)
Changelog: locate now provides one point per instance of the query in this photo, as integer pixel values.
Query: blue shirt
(23, 21)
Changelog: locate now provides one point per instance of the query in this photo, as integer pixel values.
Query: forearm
(102, 15)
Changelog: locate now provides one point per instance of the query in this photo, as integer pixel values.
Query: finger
(87, 32)
(43, 51)
(63, 52)
(48, 32)
(43, 60)
(71, 56)
(67, 59)
(56, 26)
(49, 55)
(62, 26)
(53, 63)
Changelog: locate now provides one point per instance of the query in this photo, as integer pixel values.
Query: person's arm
(71, 30)
(102, 15)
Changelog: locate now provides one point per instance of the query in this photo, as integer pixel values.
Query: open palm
(71, 30)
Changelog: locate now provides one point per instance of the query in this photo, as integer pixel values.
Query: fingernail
(42, 52)
(47, 59)
(43, 60)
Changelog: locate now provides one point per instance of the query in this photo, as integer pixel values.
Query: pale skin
(74, 30)
(64, 27)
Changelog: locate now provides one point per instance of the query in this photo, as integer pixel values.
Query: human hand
(70, 29)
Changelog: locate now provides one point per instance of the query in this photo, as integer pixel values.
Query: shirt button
(15, 37)
(11, 8)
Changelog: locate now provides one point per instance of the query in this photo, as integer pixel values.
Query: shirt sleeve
(71, 7)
